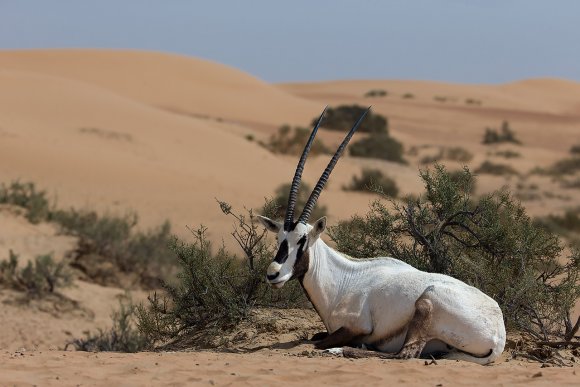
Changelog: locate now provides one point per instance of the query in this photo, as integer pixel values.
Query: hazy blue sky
(451, 40)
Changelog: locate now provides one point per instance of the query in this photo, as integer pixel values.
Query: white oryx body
(382, 303)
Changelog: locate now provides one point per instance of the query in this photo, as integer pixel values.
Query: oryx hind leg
(418, 328)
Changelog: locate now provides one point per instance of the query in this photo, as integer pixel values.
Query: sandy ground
(56, 368)
(164, 135)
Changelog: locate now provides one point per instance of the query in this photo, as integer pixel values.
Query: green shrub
(566, 225)
(123, 336)
(111, 252)
(291, 141)
(215, 291)
(506, 134)
(26, 195)
(37, 278)
(343, 118)
(378, 146)
(490, 243)
(490, 168)
(373, 180)
(376, 93)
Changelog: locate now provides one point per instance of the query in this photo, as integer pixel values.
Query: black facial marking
(282, 254)
(302, 259)
(272, 277)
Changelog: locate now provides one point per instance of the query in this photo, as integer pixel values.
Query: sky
(469, 41)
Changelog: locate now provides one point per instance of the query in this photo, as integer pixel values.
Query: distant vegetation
(343, 118)
(373, 180)
(472, 101)
(566, 225)
(491, 168)
(378, 146)
(38, 278)
(505, 134)
(376, 93)
(455, 153)
(508, 154)
(488, 242)
(408, 96)
(110, 250)
(575, 150)
(291, 141)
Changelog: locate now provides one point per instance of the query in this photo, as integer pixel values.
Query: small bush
(343, 118)
(373, 180)
(440, 98)
(408, 96)
(472, 101)
(378, 146)
(376, 93)
(490, 168)
(291, 141)
(508, 154)
(488, 242)
(575, 149)
(38, 278)
(26, 195)
(506, 134)
(111, 252)
(123, 336)
(566, 225)
(215, 291)
(456, 153)
(565, 166)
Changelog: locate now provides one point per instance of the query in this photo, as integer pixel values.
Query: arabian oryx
(380, 303)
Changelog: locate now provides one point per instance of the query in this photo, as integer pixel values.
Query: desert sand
(164, 135)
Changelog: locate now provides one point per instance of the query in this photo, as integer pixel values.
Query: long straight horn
(324, 178)
(292, 197)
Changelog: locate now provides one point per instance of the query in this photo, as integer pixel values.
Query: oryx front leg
(339, 338)
(418, 330)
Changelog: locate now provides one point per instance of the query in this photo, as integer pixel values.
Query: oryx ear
(271, 225)
(318, 228)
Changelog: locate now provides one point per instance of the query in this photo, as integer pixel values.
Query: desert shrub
(455, 153)
(472, 101)
(378, 146)
(123, 336)
(291, 141)
(505, 134)
(488, 242)
(440, 98)
(376, 93)
(280, 201)
(565, 166)
(373, 180)
(575, 149)
(344, 116)
(408, 96)
(38, 278)
(490, 168)
(111, 252)
(575, 183)
(508, 154)
(215, 291)
(26, 195)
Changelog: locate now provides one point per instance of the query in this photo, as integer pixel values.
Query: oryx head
(295, 237)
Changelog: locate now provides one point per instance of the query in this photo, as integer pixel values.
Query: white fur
(377, 298)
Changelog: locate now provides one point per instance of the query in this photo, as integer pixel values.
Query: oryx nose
(272, 277)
